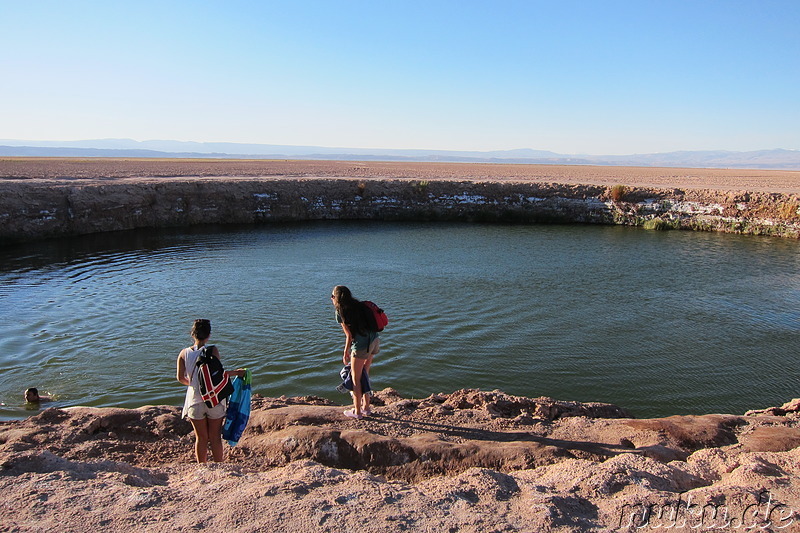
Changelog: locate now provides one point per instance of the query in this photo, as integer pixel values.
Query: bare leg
(368, 364)
(356, 368)
(200, 439)
(367, 397)
(215, 438)
(373, 349)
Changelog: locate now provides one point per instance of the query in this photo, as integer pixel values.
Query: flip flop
(351, 413)
(366, 412)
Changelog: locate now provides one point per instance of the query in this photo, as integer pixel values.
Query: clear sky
(574, 77)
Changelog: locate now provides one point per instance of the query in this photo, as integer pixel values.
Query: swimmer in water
(32, 396)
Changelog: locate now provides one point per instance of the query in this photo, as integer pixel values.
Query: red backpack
(377, 318)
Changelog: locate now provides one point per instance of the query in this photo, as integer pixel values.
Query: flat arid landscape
(777, 181)
(463, 460)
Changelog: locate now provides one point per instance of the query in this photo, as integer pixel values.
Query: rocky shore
(465, 461)
(45, 198)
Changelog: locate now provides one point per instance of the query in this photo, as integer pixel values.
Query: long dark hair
(350, 310)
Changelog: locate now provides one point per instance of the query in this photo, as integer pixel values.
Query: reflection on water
(660, 323)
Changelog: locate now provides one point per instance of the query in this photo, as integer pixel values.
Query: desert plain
(72, 169)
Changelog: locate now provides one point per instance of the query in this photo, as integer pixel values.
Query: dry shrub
(789, 210)
(618, 193)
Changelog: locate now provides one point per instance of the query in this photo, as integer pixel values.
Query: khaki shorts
(200, 411)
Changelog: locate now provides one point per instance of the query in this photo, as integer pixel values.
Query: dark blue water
(658, 322)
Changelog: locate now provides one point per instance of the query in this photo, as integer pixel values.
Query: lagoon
(660, 323)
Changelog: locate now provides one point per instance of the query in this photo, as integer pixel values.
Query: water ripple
(661, 323)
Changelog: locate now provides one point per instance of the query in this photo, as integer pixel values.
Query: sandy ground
(466, 461)
(683, 178)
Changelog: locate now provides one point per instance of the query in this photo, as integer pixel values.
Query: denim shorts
(365, 345)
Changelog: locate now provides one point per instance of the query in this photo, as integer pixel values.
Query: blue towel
(347, 380)
(238, 412)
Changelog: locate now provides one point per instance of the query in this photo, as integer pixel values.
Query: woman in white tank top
(206, 421)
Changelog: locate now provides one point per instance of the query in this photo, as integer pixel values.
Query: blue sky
(574, 77)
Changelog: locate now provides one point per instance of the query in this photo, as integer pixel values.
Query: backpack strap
(197, 361)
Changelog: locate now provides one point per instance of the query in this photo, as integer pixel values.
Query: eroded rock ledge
(410, 439)
(471, 459)
(43, 208)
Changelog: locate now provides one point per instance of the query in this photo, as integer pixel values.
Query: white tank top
(193, 395)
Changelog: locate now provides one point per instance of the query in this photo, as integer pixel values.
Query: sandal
(351, 413)
(366, 412)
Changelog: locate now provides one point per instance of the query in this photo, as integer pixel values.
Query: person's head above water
(32, 395)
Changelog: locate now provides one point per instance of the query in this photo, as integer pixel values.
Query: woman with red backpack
(362, 342)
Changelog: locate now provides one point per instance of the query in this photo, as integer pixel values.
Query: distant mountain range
(778, 159)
